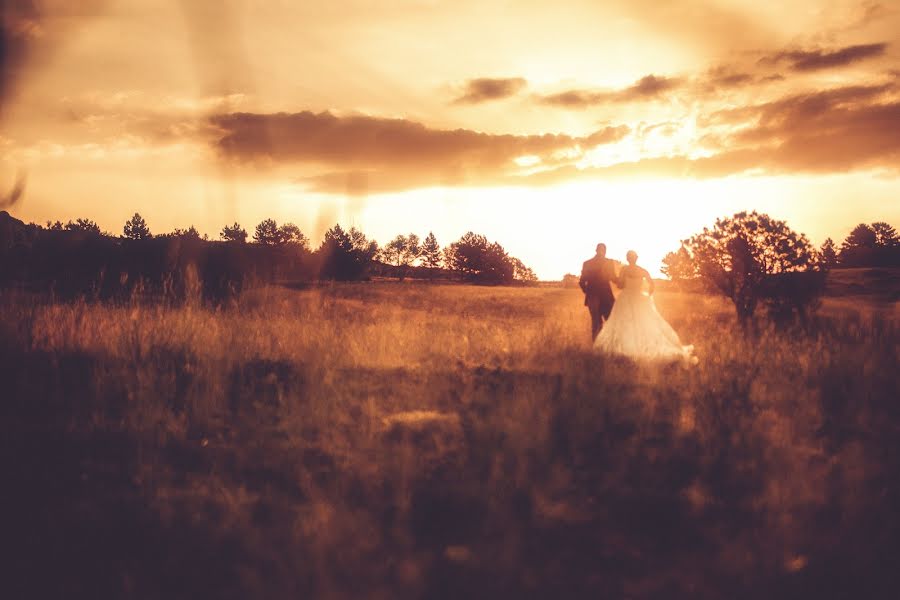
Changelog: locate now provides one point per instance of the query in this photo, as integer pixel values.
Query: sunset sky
(547, 126)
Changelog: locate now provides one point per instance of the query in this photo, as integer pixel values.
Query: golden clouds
(399, 153)
(727, 119)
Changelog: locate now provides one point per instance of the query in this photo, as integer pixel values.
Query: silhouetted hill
(14, 232)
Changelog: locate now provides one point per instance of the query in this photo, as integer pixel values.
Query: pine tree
(86, 225)
(477, 259)
(136, 228)
(431, 252)
(858, 249)
(291, 234)
(885, 235)
(862, 236)
(267, 233)
(190, 233)
(234, 233)
(829, 254)
(345, 255)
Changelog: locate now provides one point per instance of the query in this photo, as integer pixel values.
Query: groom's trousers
(599, 306)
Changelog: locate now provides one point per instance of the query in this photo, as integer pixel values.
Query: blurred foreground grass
(404, 441)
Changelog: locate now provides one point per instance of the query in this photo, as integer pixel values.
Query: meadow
(385, 440)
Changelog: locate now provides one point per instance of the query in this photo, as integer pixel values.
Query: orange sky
(548, 126)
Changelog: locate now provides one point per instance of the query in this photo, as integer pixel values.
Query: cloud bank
(399, 153)
(817, 59)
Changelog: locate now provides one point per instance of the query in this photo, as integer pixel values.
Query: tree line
(473, 256)
(79, 251)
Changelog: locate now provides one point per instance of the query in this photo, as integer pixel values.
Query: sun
(647, 216)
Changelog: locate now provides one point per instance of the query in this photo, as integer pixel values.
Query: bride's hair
(631, 256)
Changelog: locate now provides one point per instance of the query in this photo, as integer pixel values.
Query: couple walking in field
(630, 324)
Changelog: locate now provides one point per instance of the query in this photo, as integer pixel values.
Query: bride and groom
(630, 324)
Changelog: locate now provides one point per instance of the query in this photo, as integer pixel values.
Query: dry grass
(387, 441)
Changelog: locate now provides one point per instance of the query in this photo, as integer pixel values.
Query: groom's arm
(615, 274)
(583, 281)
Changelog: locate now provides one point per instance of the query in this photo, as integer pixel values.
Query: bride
(634, 328)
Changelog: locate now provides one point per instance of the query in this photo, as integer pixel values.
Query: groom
(596, 275)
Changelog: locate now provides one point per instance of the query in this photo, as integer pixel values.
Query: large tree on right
(752, 257)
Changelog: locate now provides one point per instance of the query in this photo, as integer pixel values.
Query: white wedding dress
(635, 329)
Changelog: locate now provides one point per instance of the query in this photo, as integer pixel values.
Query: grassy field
(413, 441)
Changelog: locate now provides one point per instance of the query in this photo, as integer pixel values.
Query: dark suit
(596, 275)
